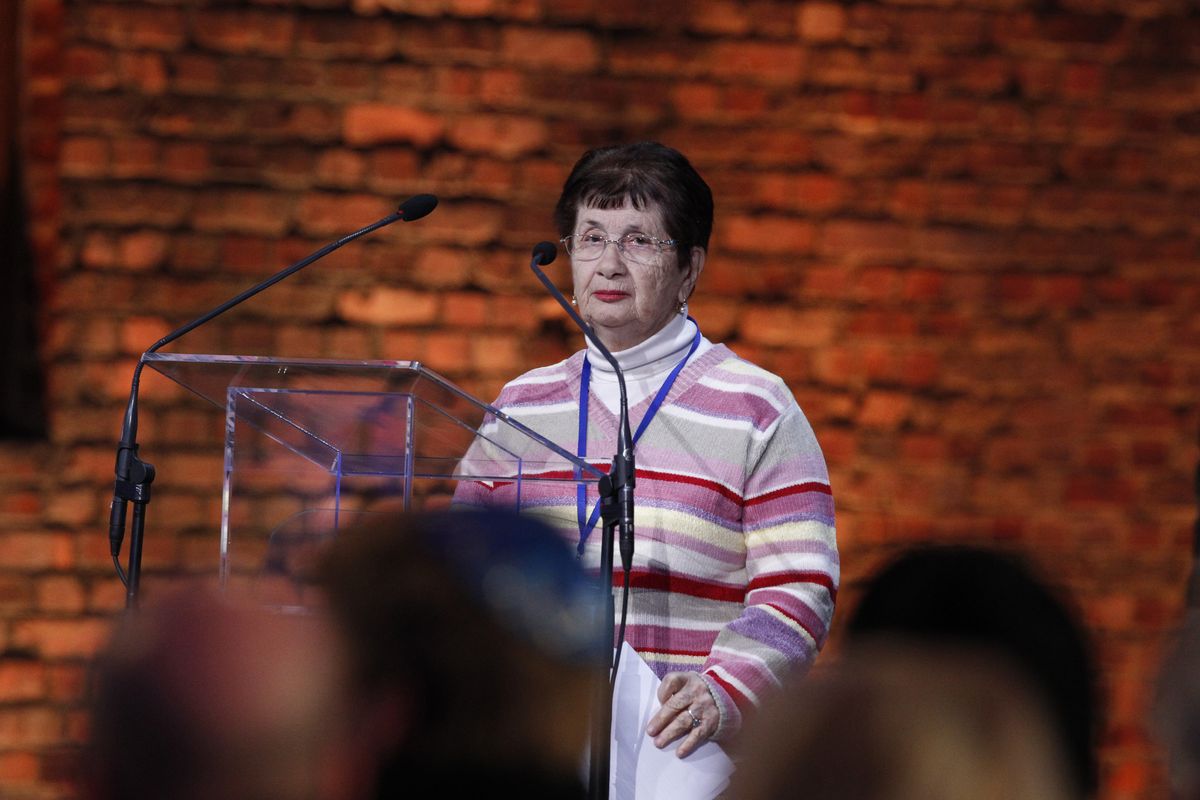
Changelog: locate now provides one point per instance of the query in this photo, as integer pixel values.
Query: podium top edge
(207, 358)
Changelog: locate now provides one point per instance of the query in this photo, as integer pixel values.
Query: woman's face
(624, 301)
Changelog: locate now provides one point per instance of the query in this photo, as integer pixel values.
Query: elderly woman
(735, 567)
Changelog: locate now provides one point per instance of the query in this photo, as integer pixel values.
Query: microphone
(417, 206)
(133, 476)
(616, 500)
(622, 475)
(544, 253)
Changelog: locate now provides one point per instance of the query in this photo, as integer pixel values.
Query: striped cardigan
(735, 567)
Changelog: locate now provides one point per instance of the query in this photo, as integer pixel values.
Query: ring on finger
(695, 719)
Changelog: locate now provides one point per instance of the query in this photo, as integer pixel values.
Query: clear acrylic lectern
(312, 445)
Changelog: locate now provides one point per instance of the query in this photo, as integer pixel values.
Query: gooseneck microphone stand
(616, 511)
(133, 475)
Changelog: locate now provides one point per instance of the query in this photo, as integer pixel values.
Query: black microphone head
(544, 253)
(417, 206)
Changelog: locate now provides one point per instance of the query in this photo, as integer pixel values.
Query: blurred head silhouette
(1177, 710)
(206, 695)
(991, 602)
(889, 722)
(472, 648)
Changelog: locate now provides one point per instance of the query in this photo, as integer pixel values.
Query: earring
(574, 302)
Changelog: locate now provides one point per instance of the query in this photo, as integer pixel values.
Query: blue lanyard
(586, 526)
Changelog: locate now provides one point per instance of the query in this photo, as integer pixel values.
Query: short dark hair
(973, 596)
(644, 174)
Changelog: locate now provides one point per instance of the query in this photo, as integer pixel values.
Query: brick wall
(963, 230)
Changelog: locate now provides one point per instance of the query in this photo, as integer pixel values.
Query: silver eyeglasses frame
(570, 244)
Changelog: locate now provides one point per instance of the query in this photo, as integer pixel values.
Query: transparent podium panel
(313, 446)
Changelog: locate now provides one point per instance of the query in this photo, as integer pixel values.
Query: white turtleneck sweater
(646, 365)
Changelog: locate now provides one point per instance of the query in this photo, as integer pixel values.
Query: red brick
(465, 310)
(443, 267)
(36, 551)
(455, 86)
(320, 214)
(134, 157)
(877, 284)
(911, 200)
(842, 68)
(503, 88)
(863, 241)
(18, 768)
(920, 369)
(245, 31)
(809, 193)
(447, 351)
(142, 251)
(821, 22)
(30, 727)
(139, 333)
(106, 597)
(512, 311)
(770, 63)
(187, 162)
(979, 75)
(253, 255)
(195, 72)
(94, 67)
(299, 340)
(474, 8)
(142, 26)
(129, 204)
(403, 345)
(885, 409)
(194, 253)
(243, 211)
(924, 447)
(144, 72)
(961, 247)
(68, 682)
(330, 36)
(821, 281)
(345, 81)
(506, 136)
(566, 52)
(496, 354)
(1087, 491)
(462, 224)
(16, 597)
(879, 322)
(786, 326)
(20, 504)
(493, 178)
(22, 680)
(719, 17)
(84, 157)
(696, 100)
(1082, 81)
(384, 306)
(772, 234)
(350, 343)
(369, 124)
(343, 168)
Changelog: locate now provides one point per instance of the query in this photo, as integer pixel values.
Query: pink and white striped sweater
(735, 568)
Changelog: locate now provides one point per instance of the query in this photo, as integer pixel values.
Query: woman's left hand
(688, 710)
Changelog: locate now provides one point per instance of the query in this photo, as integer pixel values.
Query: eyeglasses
(639, 247)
